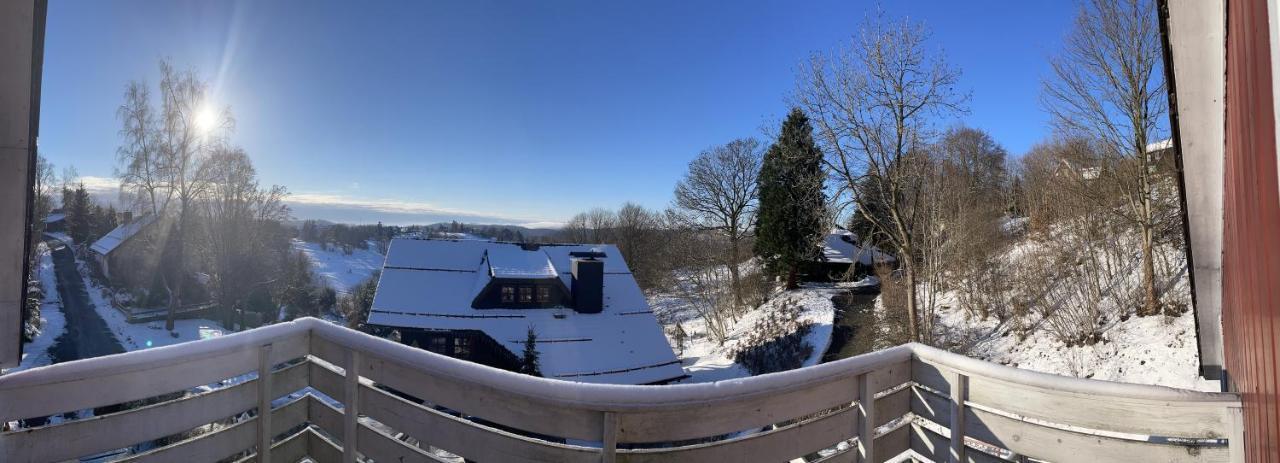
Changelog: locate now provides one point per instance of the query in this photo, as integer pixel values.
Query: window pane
(544, 294)
(526, 294)
(462, 347)
(508, 294)
(439, 345)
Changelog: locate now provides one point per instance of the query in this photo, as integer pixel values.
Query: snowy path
(87, 334)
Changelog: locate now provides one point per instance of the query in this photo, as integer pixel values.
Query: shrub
(777, 343)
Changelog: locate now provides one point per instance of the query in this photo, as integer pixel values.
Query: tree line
(871, 143)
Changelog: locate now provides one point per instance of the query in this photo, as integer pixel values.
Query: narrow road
(87, 335)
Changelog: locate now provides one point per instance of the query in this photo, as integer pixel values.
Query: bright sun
(206, 118)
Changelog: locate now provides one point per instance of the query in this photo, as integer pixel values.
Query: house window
(508, 294)
(544, 294)
(439, 345)
(526, 294)
(462, 347)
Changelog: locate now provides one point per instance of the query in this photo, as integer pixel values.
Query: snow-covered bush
(32, 323)
(756, 286)
(777, 343)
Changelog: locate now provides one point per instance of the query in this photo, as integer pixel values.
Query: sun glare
(206, 118)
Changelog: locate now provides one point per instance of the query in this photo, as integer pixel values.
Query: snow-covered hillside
(338, 270)
(706, 361)
(1158, 349)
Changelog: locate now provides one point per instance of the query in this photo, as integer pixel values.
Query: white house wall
(21, 39)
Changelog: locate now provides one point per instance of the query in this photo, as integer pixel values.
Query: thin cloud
(339, 207)
(100, 184)
(410, 208)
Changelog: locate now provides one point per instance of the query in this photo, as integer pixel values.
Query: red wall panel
(1251, 244)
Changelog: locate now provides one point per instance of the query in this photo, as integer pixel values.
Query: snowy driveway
(87, 335)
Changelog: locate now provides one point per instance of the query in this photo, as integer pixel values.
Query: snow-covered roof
(120, 234)
(431, 284)
(54, 217)
(1160, 145)
(842, 246)
(515, 262)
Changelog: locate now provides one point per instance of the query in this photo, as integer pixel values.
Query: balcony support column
(959, 394)
(264, 403)
(867, 419)
(350, 406)
(609, 438)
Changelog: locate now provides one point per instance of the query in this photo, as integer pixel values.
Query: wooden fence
(333, 394)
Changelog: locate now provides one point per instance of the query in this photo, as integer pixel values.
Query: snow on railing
(405, 404)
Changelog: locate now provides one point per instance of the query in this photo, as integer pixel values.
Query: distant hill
(488, 230)
(529, 233)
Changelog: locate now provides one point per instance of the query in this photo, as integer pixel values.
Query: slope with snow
(1159, 350)
(706, 361)
(338, 270)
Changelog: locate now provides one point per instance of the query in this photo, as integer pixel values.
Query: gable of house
(118, 236)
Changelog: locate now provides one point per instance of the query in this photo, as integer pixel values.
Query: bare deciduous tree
(719, 192)
(1107, 86)
(142, 169)
(237, 216)
(874, 104)
(638, 234)
(163, 158)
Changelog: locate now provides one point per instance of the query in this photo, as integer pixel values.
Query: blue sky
(516, 112)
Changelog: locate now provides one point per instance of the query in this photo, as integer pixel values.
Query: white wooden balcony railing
(900, 403)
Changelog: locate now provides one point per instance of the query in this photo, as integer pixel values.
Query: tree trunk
(912, 319)
(175, 292)
(736, 282)
(793, 280)
(1150, 304)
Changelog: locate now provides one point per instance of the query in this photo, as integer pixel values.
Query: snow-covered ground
(142, 335)
(53, 323)
(705, 361)
(340, 271)
(1159, 349)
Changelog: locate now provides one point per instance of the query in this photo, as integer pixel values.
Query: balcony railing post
(350, 406)
(264, 403)
(959, 394)
(1235, 441)
(609, 438)
(867, 419)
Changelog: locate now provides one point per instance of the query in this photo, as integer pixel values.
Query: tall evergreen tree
(792, 213)
(297, 283)
(79, 210)
(529, 361)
